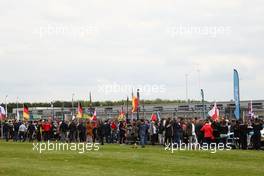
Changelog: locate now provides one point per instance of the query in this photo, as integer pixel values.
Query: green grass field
(18, 159)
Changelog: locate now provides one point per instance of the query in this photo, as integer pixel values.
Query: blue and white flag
(2, 113)
(236, 94)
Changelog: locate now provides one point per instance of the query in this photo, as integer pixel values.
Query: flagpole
(62, 111)
(127, 107)
(90, 104)
(17, 110)
(132, 113)
(6, 106)
(143, 105)
(138, 97)
(52, 106)
(23, 111)
(72, 105)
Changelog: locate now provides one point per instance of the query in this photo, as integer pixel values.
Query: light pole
(52, 107)
(138, 98)
(17, 112)
(62, 111)
(202, 94)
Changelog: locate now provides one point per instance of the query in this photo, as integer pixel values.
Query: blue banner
(236, 95)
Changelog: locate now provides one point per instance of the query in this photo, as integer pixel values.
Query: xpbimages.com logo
(212, 147)
(78, 147)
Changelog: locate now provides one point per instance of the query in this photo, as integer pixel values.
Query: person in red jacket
(208, 132)
(46, 130)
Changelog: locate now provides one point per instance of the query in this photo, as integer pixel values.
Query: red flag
(214, 113)
(154, 117)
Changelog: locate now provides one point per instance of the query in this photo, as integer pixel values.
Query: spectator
(31, 131)
(208, 132)
(142, 133)
(22, 132)
(63, 131)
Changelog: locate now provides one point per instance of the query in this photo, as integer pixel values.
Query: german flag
(80, 111)
(26, 112)
(134, 104)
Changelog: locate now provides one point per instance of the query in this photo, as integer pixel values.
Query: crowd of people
(143, 132)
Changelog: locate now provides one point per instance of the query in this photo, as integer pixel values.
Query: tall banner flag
(214, 113)
(236, 94)
(26, 112)
(80, 111)
(90, 104)
(2, 113)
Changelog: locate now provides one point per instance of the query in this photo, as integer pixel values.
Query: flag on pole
(2, 113)
(122, 115)
(80, 111)
(154, 117)
(214, 113)
(26, 113)
(94, 117)
(236, 94)
(134, 104)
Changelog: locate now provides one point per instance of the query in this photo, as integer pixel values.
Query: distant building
(191, 110)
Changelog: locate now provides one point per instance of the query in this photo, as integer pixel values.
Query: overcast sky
(49, 50)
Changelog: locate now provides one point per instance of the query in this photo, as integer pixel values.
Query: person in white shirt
(22, 132)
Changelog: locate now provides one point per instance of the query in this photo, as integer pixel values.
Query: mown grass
(18, 159)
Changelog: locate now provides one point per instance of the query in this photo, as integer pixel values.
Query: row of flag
(80, 114)
(213, 113)
(26, 114)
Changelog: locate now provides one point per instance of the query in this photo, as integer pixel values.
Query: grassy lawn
(19, 159)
